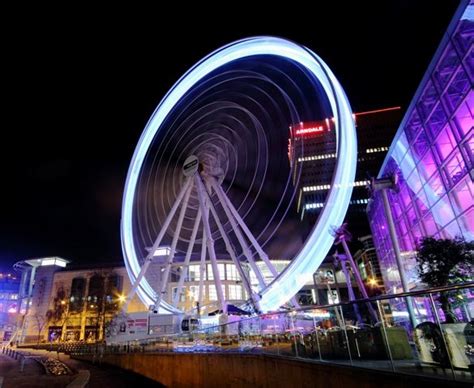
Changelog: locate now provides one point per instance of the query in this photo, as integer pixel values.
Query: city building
(234, 291)
(369, 268)
(58, 302)
(9, 287)
(312, 153)
(189, 295)
(330, 284)
(429, 168)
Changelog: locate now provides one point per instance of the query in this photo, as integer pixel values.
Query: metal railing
(436, 340)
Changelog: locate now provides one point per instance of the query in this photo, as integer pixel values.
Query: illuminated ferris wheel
(217, 171)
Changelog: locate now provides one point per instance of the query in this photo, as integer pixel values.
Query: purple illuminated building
(432, 157)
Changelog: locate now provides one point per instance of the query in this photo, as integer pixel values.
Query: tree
(40, 323)
(444, 262)
(103, 299)
(60, 308)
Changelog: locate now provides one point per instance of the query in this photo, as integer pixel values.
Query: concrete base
(245, 370)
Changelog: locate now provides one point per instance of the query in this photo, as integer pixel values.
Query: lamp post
(382, 185)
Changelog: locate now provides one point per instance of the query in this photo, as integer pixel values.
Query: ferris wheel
(218, 171)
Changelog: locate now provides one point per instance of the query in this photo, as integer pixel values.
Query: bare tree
(40, 323)
(104, 299)
(60, 308)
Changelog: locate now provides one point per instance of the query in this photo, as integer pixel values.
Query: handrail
(350, 303)
(396, 346)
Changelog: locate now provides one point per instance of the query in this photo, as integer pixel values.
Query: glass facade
(432, 156)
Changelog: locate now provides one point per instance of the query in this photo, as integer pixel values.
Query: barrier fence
(423, 333)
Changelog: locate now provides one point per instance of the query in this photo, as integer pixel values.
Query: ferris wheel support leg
(156, 244)
(210, 243)
(238, 233)
(230, 250)
(250, 236)
(184, 272)
(360, 283)
(174, 242)
(202, 264)
(246, 230)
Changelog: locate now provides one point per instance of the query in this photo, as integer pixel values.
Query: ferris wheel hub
(190, 165)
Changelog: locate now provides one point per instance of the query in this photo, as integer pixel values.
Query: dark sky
(77, 93)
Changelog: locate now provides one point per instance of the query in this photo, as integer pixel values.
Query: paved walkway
(34, 375)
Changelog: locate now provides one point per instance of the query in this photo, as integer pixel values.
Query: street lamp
(372, 282)
(382, 185)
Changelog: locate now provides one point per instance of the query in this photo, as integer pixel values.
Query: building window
(220, 268)
(96, 293)
(212, 293)
(114, 289)
(231, 272)
(193, 273)
(77, 297)
(182, 297)
(235, 292)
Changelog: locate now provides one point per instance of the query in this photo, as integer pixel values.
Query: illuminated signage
(306, 131)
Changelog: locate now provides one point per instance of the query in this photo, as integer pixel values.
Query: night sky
(77, 93)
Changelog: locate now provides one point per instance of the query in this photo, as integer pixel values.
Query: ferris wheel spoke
(210, 242)
(164, 282)
(250, 236)
(202, 263)
(156, 244)
(230, 250)
(245, 229)
(185, 270)
(246, 250)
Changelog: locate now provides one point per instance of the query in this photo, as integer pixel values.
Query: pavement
(34, 375)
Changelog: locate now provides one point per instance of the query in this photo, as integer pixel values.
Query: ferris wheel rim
(303, 265)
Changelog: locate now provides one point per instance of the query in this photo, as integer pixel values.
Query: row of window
(191, 293)
(226, 271)
(318, 205)
(377, 149)
(333, 155)
(327, 187)
(101, 288)
(8, 296)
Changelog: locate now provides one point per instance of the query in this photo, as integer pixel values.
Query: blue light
(301, 269)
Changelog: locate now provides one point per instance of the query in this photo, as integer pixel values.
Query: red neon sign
(306, 131)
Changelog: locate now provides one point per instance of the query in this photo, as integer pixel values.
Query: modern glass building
(431, 157)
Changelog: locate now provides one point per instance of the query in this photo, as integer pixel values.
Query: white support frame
(230, 250)
(187, 259)
(239, 228)
(238, 233)
(245, 229)
(164, 280)
(202, 264)
(210, 243)
(156, 244)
